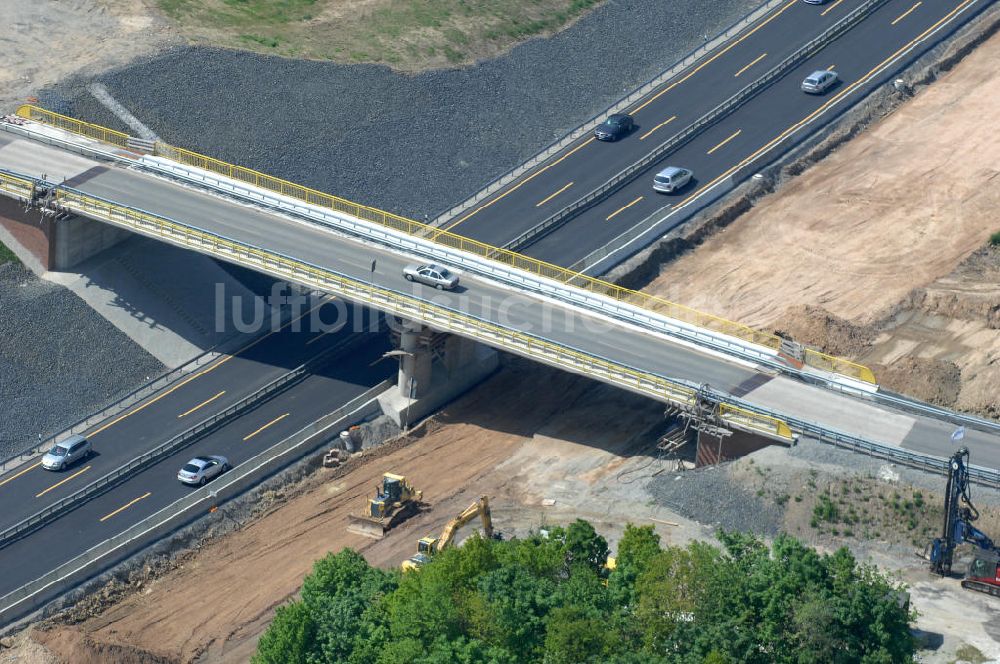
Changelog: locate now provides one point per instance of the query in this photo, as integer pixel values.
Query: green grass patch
(995, 239)
(408, 34)
(7, 256)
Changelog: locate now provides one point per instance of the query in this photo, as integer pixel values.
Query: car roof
(617, 116)
(819, 73)
(201, 460)
(71, 440)
(670, 170)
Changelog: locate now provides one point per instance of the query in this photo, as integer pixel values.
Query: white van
(671, 178)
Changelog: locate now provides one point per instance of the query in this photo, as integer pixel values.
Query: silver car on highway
(431, 274)
(819, 81)
(67, 453)
(671, 178)
(201, 469)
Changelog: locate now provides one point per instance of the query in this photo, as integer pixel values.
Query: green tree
(574, 635)
(584, 545)
(337, 594)
(290, 637)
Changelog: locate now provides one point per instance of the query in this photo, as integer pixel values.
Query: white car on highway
(201, 469)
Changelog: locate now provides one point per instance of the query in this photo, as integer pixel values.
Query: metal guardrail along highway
(175, 514)
(174, 444)
(454, 241)
(684, 136)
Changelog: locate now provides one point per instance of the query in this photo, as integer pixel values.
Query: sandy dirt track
(47, 41)
(893, 210)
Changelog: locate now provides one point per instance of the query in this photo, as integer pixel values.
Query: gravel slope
(413, 144)
(59, 360)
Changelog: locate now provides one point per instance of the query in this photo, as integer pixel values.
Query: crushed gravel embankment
(412, 144)
(59, 360)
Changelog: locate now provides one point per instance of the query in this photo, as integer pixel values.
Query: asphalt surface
(339, 381)
(518, 208)
(488, 300)
(715, 153)
(179, 407)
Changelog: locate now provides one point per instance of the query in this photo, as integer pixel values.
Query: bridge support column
(434, 368)
(44, 243)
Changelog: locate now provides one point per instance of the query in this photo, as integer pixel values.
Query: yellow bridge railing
(390, 301)
(513, 259)
(747, 419)
(15, 186)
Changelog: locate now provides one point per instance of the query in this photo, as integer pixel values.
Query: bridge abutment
(434, 368)
(46, 243)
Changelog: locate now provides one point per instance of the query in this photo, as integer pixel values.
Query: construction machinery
(428, 546)
(394, 502)
(959, 514)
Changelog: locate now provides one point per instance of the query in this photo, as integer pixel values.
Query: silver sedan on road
(819, 81)
(203, 468)
(431, 274)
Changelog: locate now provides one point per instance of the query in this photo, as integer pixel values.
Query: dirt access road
(48, 41)
(877, 252)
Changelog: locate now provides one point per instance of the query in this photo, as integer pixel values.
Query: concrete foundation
(433, 369)
(44, 243)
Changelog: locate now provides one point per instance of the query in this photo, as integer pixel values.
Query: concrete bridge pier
(46, 242)
(434, 368)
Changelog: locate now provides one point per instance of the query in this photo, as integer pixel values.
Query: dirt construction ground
(891, 269)
(92, 36)
(878, 252)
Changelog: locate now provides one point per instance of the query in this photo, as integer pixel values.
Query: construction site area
(899, 277)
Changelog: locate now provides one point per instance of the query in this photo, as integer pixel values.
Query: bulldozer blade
(368, 527)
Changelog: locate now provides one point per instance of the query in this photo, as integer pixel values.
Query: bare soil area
(877, 252)
(542, 456)
(46, 41)
(574, 449)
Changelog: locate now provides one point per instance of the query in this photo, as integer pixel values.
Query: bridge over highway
(567, 324)
(725, 113)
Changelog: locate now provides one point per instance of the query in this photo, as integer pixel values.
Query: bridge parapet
(812, 357)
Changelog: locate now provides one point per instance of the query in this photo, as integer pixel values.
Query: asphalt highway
(28, 489)
(716, 153)
(489, 300)
(518, 207)
(338, 381)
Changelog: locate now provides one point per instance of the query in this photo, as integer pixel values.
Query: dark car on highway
(615, 127)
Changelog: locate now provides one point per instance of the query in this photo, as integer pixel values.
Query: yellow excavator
(394, 502)
(428, 546)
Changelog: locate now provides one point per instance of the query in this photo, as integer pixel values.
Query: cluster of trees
(552, 599)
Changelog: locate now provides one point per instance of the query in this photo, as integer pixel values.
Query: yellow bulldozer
(428, 546)
(394, 502)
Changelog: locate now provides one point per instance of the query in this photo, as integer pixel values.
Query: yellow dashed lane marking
(553, 195)
(274, 421)
(623, 208)
(59, 484)
(203, 403)
(126, 506)
(665, 122)
(755, 61)
(906, 13)
(731, 137)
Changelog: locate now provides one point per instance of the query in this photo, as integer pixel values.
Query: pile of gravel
(412, 144)
(59, 360)
(709, 496)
